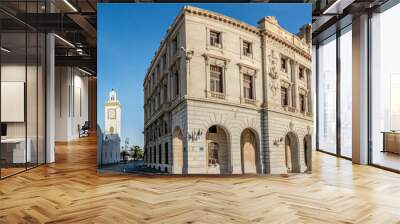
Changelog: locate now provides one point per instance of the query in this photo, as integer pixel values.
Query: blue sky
(129, 35)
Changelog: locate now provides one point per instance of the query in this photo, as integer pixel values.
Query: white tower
(112, 114)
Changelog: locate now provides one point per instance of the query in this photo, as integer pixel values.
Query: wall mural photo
(204, 88)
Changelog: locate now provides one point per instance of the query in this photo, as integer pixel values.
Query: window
(112, 114)
(213, 129)
(215, 39)
(248, 86)
(301, 73)
(166, 153)
(247, 48)
(164, 59)
(385, 89)
(159, 154)
(216, 79)
(165, 92)
(327, 126)
(154, 154)
(284, 96)
(345, 82)
(155, 102)
(176, 77)
(302, 103)
(213, 154)
(165, 127)
(174, 45)
(283, 65)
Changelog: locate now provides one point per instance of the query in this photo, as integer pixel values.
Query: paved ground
(72, 191)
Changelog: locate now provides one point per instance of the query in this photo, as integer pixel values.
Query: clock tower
(112, 114)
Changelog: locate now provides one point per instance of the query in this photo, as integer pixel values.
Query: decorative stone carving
(291, 126)
(273, 73)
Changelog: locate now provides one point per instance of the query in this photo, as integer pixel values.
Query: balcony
(249, 101)
(217, 95)
(292, 109)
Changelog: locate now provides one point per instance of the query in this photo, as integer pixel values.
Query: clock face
(111, 114)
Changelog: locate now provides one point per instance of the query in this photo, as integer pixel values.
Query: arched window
(213, 153)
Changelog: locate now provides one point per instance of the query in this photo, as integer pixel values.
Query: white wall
(71, 103)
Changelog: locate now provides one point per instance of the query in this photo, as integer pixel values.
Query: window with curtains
(216, 79)
(247, 86)
(247, 49)
(215, 39)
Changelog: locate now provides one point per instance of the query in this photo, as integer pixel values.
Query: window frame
(218, 38)
(285, 60)
(286, 94)
(220, 80)
(249, 47)
(251, 87)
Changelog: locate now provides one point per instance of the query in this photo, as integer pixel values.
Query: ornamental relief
(303, 90)
(280, 47)
(285, 83)
(273, 73)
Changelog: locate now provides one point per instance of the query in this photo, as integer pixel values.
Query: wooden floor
(71, 191)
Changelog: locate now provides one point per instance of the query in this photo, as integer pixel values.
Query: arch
(177, 151)
(218, 153)
(250, 151)
(292, 153)
(308, 152)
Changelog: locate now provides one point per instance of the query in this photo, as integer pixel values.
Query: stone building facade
(225, 97)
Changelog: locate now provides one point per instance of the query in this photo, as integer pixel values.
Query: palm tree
(137, 152)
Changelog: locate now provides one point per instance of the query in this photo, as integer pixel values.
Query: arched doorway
(177, 152)
(292, 153)
(249, 151)
(218, 151)
(308, 152)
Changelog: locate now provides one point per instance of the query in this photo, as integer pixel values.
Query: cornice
(233, 22)
(222, 18)
(286, 43)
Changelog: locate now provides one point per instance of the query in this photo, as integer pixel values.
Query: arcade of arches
(218, 158)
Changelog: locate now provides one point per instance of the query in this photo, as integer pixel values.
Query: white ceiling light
(337, 7)
(5, 50)
(84, 71)
(70, 5)
(64, 40)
